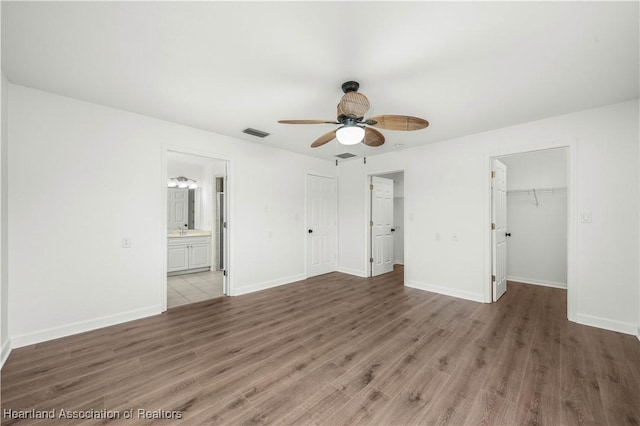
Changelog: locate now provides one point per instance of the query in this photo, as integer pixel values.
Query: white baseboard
(608, 324)
(6, 351)
(356, 272)
(537, 282)
(447, 291)
(82, 326)
(268, 284)
(638, 335)
(399, 262)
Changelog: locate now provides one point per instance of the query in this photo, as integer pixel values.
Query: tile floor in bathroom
(191, 288)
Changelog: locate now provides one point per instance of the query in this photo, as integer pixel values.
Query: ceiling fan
(351, 110)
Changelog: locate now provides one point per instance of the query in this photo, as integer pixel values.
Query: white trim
(6, 351)
(607, 324)
(82, 326)
(538, 282)
(399, 262)
(638, 335)
(572, 163)
(268, 284)
(350, 271)
(447, 291)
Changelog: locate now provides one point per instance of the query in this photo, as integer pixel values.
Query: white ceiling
(225, 66)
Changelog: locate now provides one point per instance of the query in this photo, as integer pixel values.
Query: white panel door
(177, 208)
(382, 222)
(322, 225)
(499, 228)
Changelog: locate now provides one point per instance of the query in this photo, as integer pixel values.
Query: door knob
(311, 231)
(507, 234)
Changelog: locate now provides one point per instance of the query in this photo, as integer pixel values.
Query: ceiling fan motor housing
(353, 104)
(350, 86)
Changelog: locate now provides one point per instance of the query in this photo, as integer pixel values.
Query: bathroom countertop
(190, 233)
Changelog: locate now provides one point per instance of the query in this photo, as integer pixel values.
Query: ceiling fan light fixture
(350, 135)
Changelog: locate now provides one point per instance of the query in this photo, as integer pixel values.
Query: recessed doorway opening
(532, 223)
(385, 222)
(197, 242)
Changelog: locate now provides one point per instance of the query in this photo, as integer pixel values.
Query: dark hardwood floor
(334, 350)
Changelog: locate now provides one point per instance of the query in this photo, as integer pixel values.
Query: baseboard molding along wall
(538, 282)
(6, 351)
(608, 324)
(356, 272)
(81, 327)
(268, 284)
(447, 291)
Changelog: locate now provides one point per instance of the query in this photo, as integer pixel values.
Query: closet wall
(537, 217)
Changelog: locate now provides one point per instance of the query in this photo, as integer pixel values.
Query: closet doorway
(536, 231)
(196, 218)
(385, 222)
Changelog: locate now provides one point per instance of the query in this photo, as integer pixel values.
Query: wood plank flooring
(339, 350)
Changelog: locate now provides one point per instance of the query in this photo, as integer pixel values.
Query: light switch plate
(585, 217)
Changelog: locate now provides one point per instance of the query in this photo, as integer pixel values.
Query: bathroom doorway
(196, 218)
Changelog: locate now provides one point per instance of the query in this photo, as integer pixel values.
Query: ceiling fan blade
(372, 137)
(307, 122)
(327, 137)
(399, 122)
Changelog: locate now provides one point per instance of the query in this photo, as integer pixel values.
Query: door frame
(368, 267)
(228, 280)
(306, 225)
(572, 219)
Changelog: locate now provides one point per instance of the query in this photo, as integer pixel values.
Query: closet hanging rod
(558, 188)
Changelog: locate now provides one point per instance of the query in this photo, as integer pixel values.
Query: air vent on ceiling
(345, 155)
(254, 132)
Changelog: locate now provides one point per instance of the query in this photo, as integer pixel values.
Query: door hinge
(371, 187)
(224, 272)
(493, 226)
(224, 225)
(371, 260)
(370, 223)
(493, 173)
(493, 278)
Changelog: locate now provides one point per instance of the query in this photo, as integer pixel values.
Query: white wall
(537, 248)
(445, 188)
(539, 169)
(5, 343)
(85, 176)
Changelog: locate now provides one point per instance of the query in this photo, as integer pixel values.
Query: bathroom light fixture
(182, 182)
(350, 134)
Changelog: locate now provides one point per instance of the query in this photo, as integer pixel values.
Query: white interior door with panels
(322, 225)
(499, 228)
(382, 257)
(177, 208)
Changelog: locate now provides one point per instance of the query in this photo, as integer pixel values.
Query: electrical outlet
(454, 237)
(585, 217)
(126, 242)
(437, 236)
